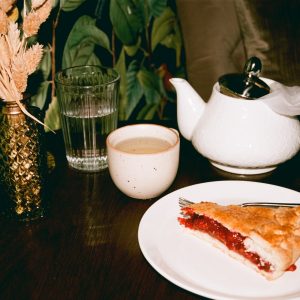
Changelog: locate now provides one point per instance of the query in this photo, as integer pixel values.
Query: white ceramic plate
(197, 266)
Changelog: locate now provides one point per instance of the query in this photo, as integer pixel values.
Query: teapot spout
(190, 107)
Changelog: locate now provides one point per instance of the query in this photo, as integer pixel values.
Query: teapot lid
(246, 85)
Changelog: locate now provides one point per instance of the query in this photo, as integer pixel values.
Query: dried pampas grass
(18, 61)
(7, 5)
(38, 15)
(3, 22)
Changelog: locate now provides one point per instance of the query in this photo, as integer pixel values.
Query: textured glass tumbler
(88, 99)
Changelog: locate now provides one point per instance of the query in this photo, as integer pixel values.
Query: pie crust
(273, 233)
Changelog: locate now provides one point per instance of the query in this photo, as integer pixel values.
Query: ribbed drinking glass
(88, 102)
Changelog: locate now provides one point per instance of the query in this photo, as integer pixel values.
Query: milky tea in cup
(143, 159)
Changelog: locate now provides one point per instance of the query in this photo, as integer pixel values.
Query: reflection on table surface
(86, 247)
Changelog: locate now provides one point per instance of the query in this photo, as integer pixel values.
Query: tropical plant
(140, 38)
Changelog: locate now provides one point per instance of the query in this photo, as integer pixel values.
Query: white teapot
(235, 130)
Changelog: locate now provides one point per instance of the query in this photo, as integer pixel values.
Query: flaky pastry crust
(277, 228)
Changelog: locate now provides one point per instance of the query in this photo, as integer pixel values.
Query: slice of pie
(266, 239)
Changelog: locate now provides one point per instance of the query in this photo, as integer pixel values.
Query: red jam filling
(233, 240)
(291, 268)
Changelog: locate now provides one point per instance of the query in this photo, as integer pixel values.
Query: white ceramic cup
(138, 174)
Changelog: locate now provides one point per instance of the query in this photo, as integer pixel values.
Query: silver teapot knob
(253, 67)
(246, 85)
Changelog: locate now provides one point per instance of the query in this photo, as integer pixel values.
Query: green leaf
(143, 11)
(134, 89)
(162, 27)
(150, 83)
(69, 5)
(147, 112)
(174, 41)
(94, 60)
(39, 99)
(132, 50)
(146, 9)
(148, 79)
(125, 16)
(52, 116)
(45, 64)
(81, 42)
(157, 6)
(55, 3)
(121, 68)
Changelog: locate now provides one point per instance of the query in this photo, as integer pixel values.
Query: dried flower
(19, 75)
(12, 50)
(13, 14)
(4, 52)
(18, 60)
(7, 5)
(3, 22)
(34, 19)
(33, 57)
(37, 3)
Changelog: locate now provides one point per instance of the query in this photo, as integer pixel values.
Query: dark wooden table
(87, 247)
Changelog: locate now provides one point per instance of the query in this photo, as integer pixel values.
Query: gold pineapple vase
(22, 164)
